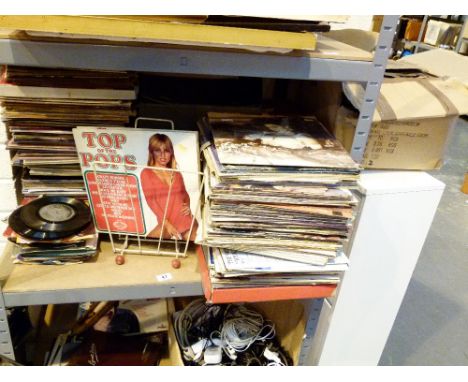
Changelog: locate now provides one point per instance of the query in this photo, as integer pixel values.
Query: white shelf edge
(99, 279)
(180, 60)
(125, 292)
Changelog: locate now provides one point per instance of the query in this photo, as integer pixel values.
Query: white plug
(230, 352)
(213, 355)
(197, 348)
(271, 355)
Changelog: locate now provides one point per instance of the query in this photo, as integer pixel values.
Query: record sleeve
(140, 181)
(277, 141)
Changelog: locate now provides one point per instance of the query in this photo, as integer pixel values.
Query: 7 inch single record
(50, 218)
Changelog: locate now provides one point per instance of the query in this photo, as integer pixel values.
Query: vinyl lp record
(50, 218)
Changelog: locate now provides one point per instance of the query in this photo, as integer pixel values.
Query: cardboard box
(289, 328)
(411, 124)
(441, 32)
(377, 21)
(412, 29)
(416, 144)
(438, 62)
(464, 187)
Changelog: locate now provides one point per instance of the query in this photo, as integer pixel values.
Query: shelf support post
(421, 33)
(6, 344)
(374, 82)
(313, 309)
(461, 34)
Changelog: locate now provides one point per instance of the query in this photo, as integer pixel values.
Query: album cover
(140, 181)
(276, 141)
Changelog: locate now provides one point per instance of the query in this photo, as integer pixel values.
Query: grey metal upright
(6, 345)
(422, 30)
(374, 82)
(462, 39)
(312, 343)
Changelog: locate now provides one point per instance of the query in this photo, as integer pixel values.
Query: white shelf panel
(101, 280)
(332, 60)
(377, 182)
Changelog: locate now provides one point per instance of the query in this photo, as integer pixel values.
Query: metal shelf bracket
(6, 345)
(374, 82)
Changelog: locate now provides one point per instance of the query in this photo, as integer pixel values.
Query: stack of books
(279, 205)
(39, 108)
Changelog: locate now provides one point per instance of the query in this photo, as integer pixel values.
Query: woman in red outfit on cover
(156, 184)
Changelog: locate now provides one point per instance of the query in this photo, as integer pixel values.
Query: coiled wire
(243, 326)
(235, 328)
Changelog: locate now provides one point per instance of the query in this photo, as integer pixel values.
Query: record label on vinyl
(56, 212)
(50, 218)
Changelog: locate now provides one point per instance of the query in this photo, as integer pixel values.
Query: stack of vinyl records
(7, 185)
(279, 205)
(40, 107)
(52, 230)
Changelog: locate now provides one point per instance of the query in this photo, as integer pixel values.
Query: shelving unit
(332, 61)
(420, 45)
(102, 279)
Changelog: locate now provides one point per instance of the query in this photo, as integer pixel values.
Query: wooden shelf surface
(100, 279)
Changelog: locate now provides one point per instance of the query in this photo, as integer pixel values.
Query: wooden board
(160, 32)
(195, 19)
(174, 357)
(326, 48)
(138, 271)
(290, 323)
(333, 49)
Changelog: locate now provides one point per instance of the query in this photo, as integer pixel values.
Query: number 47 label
(164, 277)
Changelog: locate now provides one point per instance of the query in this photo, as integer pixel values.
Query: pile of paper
(278, 198)
(39, 108)
(236, 269)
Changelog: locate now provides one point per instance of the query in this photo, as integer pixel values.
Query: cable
(194, 323)
(241, 332)
(242, 327)
(183, 322)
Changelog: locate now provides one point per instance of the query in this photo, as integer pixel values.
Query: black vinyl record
(50, 218)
